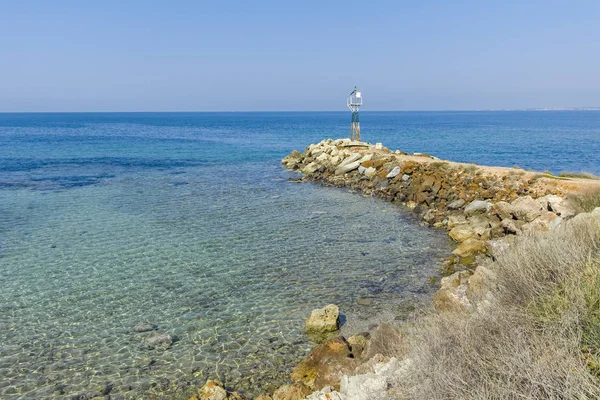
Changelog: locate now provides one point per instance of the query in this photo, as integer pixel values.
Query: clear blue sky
(297, 55)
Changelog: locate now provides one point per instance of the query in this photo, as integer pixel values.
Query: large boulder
(559, 206)
(460, 233)
(311, 168)
(477, 226)
(323, 320)
(347, 167)
(455, 220)
(545, 222)
(479, 285)
(325, 364)
(503, 210)
(527, 209)
(477, 207)
(452, 295)
(470, 247)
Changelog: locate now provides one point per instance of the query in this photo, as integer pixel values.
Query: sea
(188, 224)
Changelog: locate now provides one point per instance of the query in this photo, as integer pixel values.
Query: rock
(378, 146)
(323, 320)
(477, 207)
(456, 204)
(162, 340)
(495, 247)
(310, 168)
(393, 173)
(361, 169)
(385, 340)
(559, 206)
(323, 158)
(364, 302)
(326, 364)
(350, 159)
(405, 178)
(526, 208)
(370, 172)
(144, 327)
(292, 159)
(470, 247)
(455, 220)
(451, 297)
(366, 157)
(327, 393)
(476, 226)
(504, 210)
(479, 284)
(358, 343)
(297, 391)
(343, 168)
(212, 390)
(460, 233)
(545, 222)
(373, 385)
(510, 226)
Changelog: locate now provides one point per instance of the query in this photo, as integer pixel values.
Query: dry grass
(580, 175)
(585, 202)
(539, 340)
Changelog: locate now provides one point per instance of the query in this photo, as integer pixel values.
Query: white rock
(311, 168)
(361, 170)
(378, 146)
(327, 393)
(477, 207)
(370, 172)
(343, 168)
(366, 157)
(394, 172)
(350, 159)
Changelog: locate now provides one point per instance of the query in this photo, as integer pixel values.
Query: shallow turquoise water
(188, 222)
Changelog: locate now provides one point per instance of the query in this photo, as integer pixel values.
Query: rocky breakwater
(479, 206)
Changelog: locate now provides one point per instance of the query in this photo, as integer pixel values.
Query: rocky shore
(484, 209)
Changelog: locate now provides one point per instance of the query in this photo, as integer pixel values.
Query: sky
(223, 55)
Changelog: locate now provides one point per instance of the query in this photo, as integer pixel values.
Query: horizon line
(301, 111)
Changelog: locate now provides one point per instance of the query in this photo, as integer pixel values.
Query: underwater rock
(161, 340)
(144, 327)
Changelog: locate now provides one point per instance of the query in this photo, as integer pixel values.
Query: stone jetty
(481, 207)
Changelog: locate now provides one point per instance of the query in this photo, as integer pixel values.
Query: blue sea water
(187, 221)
